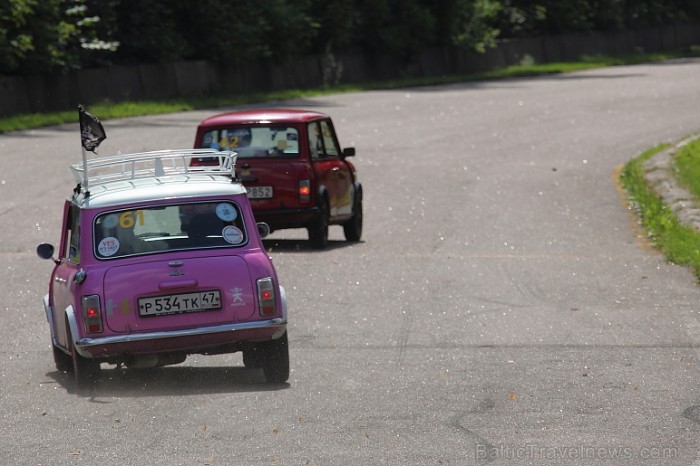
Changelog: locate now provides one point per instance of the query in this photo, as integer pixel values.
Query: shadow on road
(301, 245)
(169, 381)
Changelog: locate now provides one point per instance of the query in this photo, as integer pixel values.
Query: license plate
(177, 303)
(259, 192)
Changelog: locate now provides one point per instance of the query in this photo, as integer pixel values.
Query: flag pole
(85, 183)
(85, 171)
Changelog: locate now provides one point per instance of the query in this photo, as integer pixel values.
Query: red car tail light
(92, 314)
(304, 191)
(266, 297)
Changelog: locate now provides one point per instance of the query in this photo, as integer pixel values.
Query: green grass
(107, 110)
(679, 243)
(687, 167)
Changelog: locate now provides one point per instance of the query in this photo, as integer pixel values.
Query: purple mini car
(159, 259)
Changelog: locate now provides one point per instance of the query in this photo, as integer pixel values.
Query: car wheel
(353, 227)
(62, 361)
(85, 371)
(275, 360)
(318, 229)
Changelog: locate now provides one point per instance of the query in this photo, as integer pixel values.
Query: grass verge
(107, 110)
(687, 167)
(679, 243)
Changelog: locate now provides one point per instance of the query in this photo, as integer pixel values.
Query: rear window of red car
(254, 141)
(166, 228)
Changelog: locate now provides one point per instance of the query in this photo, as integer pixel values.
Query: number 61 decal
(128, 220)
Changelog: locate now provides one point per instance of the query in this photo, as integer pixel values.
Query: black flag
(91, 131)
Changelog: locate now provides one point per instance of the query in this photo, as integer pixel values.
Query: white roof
(152, 176)
(157, 189)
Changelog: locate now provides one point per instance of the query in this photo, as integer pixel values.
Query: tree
(235, 32)
(147, 32)
(474, 24)
(336, 25)
(15, 38)
(529, 18)
(396, 27)
(43, 36)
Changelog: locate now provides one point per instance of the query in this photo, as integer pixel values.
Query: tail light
(266, 297)
(92, 314)
(304, 191)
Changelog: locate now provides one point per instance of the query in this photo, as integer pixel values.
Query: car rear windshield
(159, 229)
(256, 141)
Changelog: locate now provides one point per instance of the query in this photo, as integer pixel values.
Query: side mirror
(263, 230)
(348, 152)
(45, 251)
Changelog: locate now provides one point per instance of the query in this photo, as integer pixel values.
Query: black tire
(252, 358)
(353, 227)
(85, 371)
(318, 229)
(275, 361)
(62, 361)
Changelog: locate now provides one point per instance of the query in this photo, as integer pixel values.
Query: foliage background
(48, 36)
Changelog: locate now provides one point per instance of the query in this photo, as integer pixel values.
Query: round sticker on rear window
(108, 246)
(110, 221)
(226, 212)
(232, 235)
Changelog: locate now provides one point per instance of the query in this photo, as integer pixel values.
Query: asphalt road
(503, 307)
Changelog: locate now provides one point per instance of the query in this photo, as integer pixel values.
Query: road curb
(658, 173)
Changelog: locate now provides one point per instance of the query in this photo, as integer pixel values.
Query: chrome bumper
(84, 343)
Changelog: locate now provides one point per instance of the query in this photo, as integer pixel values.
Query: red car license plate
(259, 192)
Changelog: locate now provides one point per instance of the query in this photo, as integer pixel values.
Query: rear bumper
(193, 339)
(189, 340)
(286, 218)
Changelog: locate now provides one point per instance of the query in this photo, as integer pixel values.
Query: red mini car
(295, 172)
